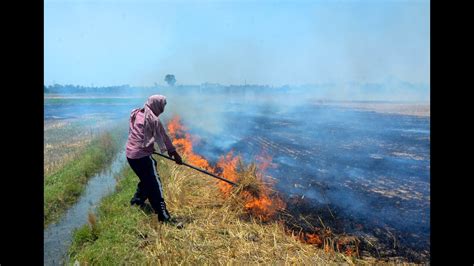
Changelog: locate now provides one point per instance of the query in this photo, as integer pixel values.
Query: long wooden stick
(198, 169)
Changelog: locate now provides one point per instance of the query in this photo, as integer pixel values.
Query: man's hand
(176, 157)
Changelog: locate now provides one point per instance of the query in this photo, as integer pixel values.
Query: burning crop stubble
(342, 208)
(256, 194)
(343, 150)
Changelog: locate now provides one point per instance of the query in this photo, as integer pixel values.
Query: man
(146, 129)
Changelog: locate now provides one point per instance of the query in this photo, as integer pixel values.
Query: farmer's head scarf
(154, 106)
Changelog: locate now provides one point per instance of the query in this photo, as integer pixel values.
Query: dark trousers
(149, 186)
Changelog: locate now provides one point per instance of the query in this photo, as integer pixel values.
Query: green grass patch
(116, 237)
(64, 186)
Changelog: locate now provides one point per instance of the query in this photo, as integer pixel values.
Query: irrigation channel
(58, 236)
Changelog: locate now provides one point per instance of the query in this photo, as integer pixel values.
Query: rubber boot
(136, 200)
(163, 214)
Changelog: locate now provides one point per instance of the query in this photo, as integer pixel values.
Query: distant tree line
(352, 90)
(127, 89)
(58, 88)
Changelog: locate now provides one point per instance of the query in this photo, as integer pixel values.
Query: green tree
(170, 79)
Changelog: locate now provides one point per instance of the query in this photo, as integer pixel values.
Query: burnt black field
(364, 173)
(361, 173)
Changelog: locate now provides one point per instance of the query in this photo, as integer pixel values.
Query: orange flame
(228, 164)
(348, 252)
(308, 238)
(266, 205)
(349, 245)
(183, 142)
(262, 205)
(313, 239)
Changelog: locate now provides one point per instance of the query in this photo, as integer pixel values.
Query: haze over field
(105, 43)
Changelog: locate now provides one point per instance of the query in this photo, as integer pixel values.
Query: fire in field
(338, 177)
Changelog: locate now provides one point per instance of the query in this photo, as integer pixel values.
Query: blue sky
(235, 42)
